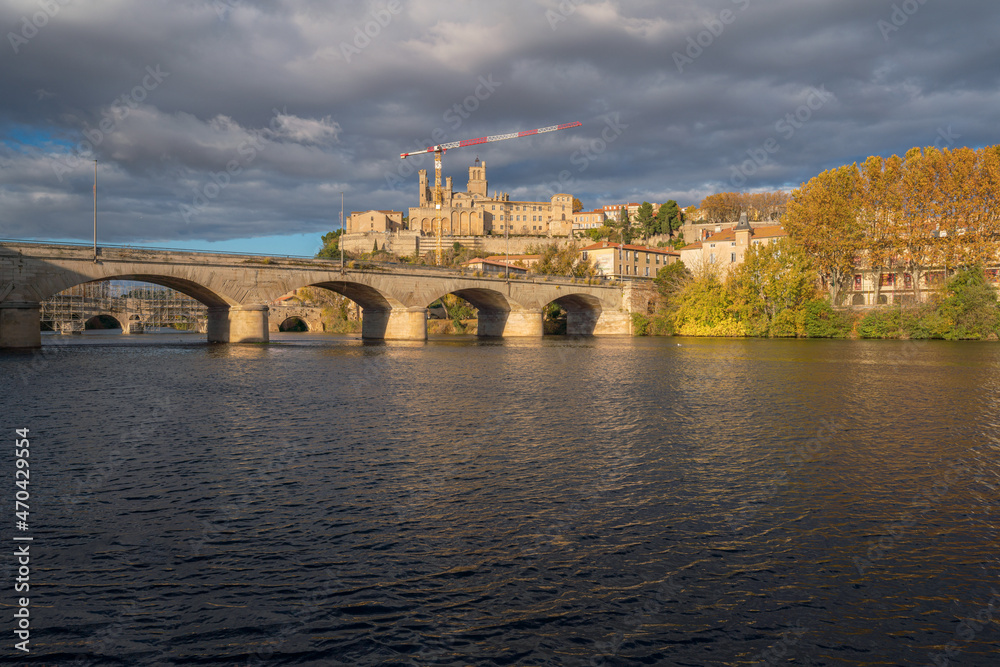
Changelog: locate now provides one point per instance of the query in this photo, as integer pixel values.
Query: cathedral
(475, 213)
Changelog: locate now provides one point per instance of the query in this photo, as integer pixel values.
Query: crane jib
(485, 140)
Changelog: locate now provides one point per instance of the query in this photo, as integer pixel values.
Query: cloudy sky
(237, 124)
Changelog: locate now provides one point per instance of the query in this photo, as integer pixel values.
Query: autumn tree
(759, 206)
(822, 220)
(877, 205)
(913, 222)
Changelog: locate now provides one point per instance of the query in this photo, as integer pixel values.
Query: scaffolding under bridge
(137, 307)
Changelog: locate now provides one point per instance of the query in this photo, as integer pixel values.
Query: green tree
(773, 282)
(670, 280)
(971, 306)
(645, 220)
(331, 245)
(624, 226)
(668, 218)
(560, 261)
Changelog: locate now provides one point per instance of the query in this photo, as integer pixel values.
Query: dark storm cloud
(219, 119)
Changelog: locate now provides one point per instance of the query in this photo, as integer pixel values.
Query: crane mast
(439, 151)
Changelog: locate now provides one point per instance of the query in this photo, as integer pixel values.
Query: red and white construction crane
(440, 149)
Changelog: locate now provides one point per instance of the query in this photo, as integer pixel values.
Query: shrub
(971, 306)
(881, 323)
(784, 324)
(818, 319)
(640, 325)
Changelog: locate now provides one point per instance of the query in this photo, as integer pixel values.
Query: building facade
(584, 220)
(493, 267)
(727, 248)
(360, 222)
(629, 261)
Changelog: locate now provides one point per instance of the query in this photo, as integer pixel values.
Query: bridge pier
(491, 322)
(237, 324)
(611, 323)
(394, 324)
(20, 324)
(524, 324)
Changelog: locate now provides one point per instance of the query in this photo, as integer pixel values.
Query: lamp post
(95, 210)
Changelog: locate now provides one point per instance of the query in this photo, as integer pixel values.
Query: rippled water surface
(322, 501)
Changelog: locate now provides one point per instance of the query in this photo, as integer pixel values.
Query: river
(321, 500)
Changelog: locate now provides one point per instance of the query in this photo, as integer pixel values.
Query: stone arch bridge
(237, 288)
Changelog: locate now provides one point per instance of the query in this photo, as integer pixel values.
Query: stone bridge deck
(236, 289)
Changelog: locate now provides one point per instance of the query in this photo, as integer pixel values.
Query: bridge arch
(494, 310)
(190, 288)
(583, 311)
(383, 316)
(103, 321)
(293, 323)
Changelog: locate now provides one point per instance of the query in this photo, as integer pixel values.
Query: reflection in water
(557, 501)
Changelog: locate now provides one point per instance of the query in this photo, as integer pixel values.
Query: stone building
(726, 248)
(375, 221)
(584, 220)
(475, 213)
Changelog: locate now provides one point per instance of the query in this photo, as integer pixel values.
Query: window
(647, 271)
(583, 255)
(711, 258)
(647, 258)
(907, 280)
(732, 258)
(857, 283)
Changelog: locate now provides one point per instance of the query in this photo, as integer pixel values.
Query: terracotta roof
(641, 248)
(693, 246)
(480, 260)
(498, 258)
